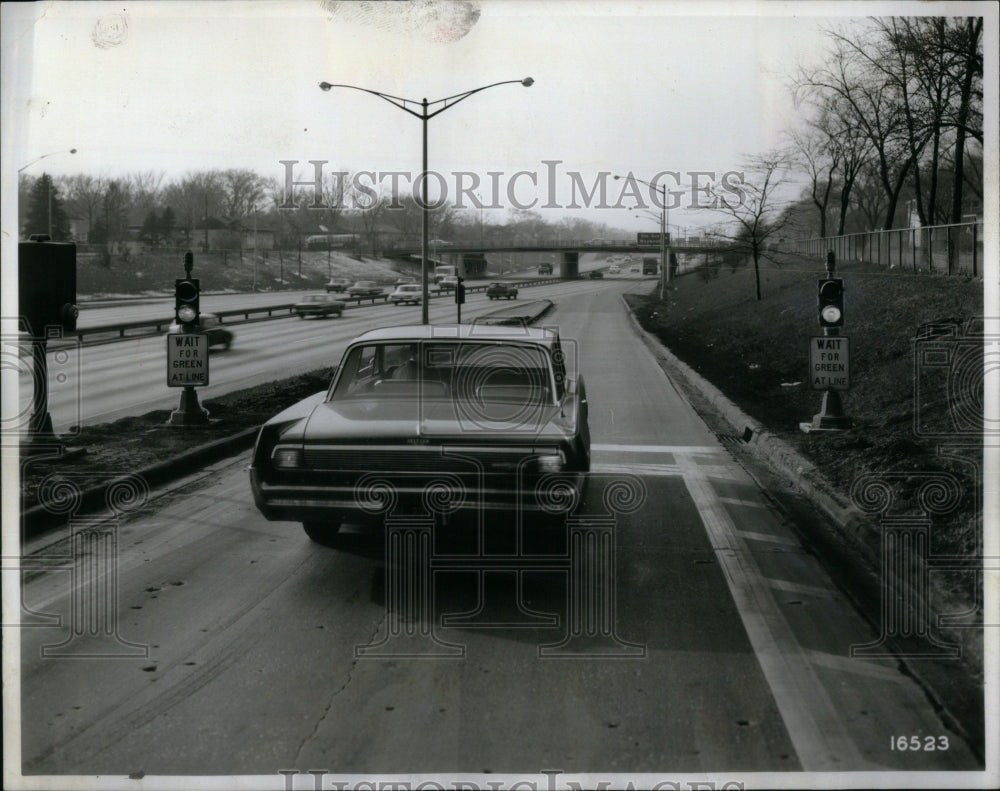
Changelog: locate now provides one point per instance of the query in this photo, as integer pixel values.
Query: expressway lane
(726, 648)
(95, 384)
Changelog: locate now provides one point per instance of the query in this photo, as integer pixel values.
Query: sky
(619, 87)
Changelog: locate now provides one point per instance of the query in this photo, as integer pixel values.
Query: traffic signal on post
(187, 292)
(460, 291)
(831, 302)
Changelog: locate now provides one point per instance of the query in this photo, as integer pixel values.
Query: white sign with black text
(187, 359)
(828, 363)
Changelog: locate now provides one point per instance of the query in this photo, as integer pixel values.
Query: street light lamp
(425, 115)
(37, 159)
(664, 239)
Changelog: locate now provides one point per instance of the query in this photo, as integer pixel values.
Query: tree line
(893, 114)
(109, 210)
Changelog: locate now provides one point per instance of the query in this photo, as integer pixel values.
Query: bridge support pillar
(569, 264)
(472, 264)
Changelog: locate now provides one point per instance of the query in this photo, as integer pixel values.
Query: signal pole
(831, 416)
(187, 312)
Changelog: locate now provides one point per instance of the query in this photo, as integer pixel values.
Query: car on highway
(410, 293)
(337, 284)
(211, 325)
(367, 289)
(448, 283)
(596, 274)
(545, 269)
(321, 305)
(501, 291)
(433, 420)
(441, 271)
(614, 269)
(402, 281)
(633, 268)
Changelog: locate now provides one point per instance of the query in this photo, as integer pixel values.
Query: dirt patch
(131, 444)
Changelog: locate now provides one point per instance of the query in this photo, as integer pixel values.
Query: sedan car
(411, 293)
(448, 283)
(210, 325)
(501, 291)
(614, 269)
(337, 284)
(596, 274)
(429, 420)
(366, 289)
(321, 305)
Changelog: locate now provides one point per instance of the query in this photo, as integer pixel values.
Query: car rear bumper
(385, 494)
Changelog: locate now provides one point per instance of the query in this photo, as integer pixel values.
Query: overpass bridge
(470, 258)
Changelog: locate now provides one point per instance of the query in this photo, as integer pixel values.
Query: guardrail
(153, 327)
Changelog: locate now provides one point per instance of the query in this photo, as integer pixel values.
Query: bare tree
(759, 211)
(912, 87)
(966, 41)
(145, 188)
(84, 196)
(870, 197)
(818, 153)
(855, 78)
(194, 198)
(244, 190)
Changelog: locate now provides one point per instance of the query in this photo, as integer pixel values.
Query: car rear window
(462, 371)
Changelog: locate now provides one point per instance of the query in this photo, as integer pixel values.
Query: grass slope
(757, 354)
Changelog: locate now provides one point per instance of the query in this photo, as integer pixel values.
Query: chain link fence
(955, 249)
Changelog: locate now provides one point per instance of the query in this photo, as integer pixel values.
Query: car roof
(462, 332)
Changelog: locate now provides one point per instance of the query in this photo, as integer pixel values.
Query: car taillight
(286, 458)
(549, 462)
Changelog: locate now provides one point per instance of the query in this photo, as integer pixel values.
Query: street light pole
(425, 115)
(665, 273)
(664, 247)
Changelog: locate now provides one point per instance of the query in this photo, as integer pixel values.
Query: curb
(511, 314)
(855, 555)
(38, 519)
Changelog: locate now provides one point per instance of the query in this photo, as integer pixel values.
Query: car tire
(323, 532)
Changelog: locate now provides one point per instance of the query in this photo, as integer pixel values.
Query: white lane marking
(658, 448)
(803, 590)
(741, 502)
(814, 726)
(863, 667)
(750, 535)
(637, 469)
